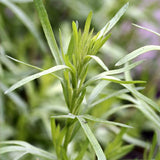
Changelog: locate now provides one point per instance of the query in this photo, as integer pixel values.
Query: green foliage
(115, 150)
(72, 69)
(154, 152)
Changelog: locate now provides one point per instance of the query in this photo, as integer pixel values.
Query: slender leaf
(48, 30)
(130, 139)
(116, 80)
(99, 61)
(116, 109)
(136, 53)
(96, 91)
(24, 147)
(97, 148)
(113, 21)
(111, 72)
(35, 76)
(144, 28)
(7, 149)
(31, 66)
(114, 94)
(88, 23)
(91, 118)
(65, 116)
(153, 147)
(20, 155)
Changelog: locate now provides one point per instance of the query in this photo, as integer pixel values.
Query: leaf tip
(117, 64)
(6, 92)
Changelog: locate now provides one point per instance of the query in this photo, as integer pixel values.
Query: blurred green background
(25, 113)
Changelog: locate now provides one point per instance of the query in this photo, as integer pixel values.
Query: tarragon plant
(71, 69)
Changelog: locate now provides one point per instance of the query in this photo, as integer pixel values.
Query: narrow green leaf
(114, 94)
(31, 66)
(153, 147)
(144, 28)
(91, 118)
(7, 149)
(149, 113)
(35, 76)
(96, 91)
(97, 148)
(99, 61)
(136, 53)
(121, 70)
(20, 155)
(71, 116)
(25, 20)
(130, 139)
(116, 109)
(113, 21)
(70, 47)
(24, 147)
(26, 64)
(111, 72)
(116, 80)
(88, 23)
(122, 151)
(48, 30)
(142, 97)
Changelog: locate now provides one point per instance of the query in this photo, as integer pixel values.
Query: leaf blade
(113, 21)
(48, 30)
(35, 76)
(136, 53)
(97, 148)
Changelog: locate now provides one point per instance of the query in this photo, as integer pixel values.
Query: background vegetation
(25, 113)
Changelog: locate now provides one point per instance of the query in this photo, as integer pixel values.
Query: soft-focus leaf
(136, 53)
(111, 72)
(147, 29)
(35, 76)
(97, 148)
(96, 91)
(113, 21)
(99, 61)
(91, 118)
(114, 79)
(48, 30)
(13, 146)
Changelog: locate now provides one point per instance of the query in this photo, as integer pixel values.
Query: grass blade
(48, 30)
(136, 53)
(144, 28)
(11, 149)
(91, 118)
(24, 147)
(116, 80)
(97, 148)
(113, 21)
(96, 91)
(35, 76)
(99, 61)
(20, 155)
(112, 72)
